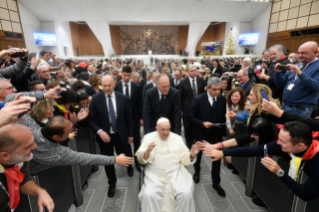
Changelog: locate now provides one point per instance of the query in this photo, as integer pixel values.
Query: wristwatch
(280, 173)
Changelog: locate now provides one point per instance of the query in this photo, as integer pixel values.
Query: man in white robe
(168, 186)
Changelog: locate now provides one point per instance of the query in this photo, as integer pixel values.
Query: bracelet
(219, 146)
(222, 145)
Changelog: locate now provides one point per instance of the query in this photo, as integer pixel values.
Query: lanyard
(5, 190)
(300, 170)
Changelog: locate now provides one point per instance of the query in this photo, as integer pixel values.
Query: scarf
(14, 178)
(64, 110)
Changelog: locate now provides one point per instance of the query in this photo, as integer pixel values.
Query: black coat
(200, 112)
(146, 88)
(99, 116)
(247, 87)
(219, 70)
(186, 93)
(173, 84)
(135, 99)
(171, 110)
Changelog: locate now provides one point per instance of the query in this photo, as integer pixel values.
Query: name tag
(289, 88)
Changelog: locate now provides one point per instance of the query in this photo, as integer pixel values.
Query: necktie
(112, 114)
(194, 88)
(14, 178)
(175, 83)
(126, 91)
(162, 100)
(214, 103)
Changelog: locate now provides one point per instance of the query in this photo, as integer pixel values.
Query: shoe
(259, 202)
(196, 177)
(220, 190)
(130, 171)
(138, 167)
(230, 166)
(235, 172)
(111, 191)
(85, 185)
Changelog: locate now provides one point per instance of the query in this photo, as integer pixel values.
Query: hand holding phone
(283, 67)
(263, 93)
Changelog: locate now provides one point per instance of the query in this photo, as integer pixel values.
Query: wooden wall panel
(4, 43)
(116, 40)
(84, 41)
(182, 37)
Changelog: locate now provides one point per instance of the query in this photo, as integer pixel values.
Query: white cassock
(168, 186)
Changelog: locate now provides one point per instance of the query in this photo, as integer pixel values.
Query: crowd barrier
(64, 183)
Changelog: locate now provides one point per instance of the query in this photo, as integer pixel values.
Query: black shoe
(130, 171)
(230, 166)
(220, 190)
(138, 167)
(111, 191)
(85, 185)
(196, 177)
(259, 202)
(235, 171)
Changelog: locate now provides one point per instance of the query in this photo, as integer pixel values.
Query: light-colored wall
(30, 24)
(260, 25)
(63, 35)
(48, 27)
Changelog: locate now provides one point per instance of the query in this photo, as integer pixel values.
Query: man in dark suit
(146, 81)
(111, 119)
(134, 93)
(162, 101)
(207, 110)
(156, 68)
(175, 82)
(187, 94)
(144, 72)
(245, 83)
(150, 85)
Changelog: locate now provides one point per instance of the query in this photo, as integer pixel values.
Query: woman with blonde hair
(255, 99)
(42, 111)
(95, 82)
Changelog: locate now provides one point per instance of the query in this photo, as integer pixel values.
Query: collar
(44, 121)
(191, 79)
(3, 166)
(210, 97)
(129, 83)
(112, 95)
(244, 83)
(281, 59)
(86, 83)
(311, 62)
(159, 93)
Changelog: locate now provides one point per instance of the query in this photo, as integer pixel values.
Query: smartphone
(258, 69)
(58, 93)
(263, 93)
(283, 67)
(265, 151)
(17, 54)
(21, 114)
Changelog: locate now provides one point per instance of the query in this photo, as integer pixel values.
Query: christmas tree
(230, 44)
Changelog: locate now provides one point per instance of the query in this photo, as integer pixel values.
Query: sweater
(306, 87)
(307, 191)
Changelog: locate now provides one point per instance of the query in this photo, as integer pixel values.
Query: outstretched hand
(271, 108)
(195, 149)
(123, 160)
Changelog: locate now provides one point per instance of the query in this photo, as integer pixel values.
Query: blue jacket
(306, 87)
(2, 104)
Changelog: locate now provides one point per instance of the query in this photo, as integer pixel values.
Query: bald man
(15, 154)
(43, 73)
(168, 185)
(301, 85)
(111, 119)
(162, 101)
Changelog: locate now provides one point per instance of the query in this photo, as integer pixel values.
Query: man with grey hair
(151, 84)
(43, 73)
(245, 83)
(136, 77)
(189, 88)
(6, 88)
(207, 115)
(147, 80)
(277, 55)
(293, 57)
(162, 101)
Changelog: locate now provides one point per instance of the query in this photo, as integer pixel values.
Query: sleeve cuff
(99, 131)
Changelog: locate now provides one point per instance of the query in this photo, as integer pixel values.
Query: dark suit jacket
(171, 110)
(135, 99)
(144, 72)
(142, 84)
(99, 116)
(186, 93)
(219, 70)
(200, 112)
(173, 84)
(146, 88)
(247, 87)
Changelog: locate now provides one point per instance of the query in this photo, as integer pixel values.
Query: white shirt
(210, 99)
(129, 88)
(214, 69)
(177, 83)
(108, 107)
(149, 81)
(191, 81)
(160, 94)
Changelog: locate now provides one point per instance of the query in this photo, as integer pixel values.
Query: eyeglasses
(11, 88)
(44, 72)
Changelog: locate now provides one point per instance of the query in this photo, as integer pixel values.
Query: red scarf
(14, 178)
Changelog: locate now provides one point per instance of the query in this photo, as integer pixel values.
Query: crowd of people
(45, 101)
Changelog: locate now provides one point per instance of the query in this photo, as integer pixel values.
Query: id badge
(289, 88)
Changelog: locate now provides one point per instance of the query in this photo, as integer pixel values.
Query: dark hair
(218, 64)
(32, 84)
(68, 96)
(78, 85)
(55, 126)
(31, 55)
(266, 131)
(299, 132)
(127, 69)
(84, 76)
(81, 95)
(243, 98)
(229, 85)
(43, 52)
(266, 50)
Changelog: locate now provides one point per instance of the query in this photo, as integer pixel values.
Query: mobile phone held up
(263, 93)
(258, 68)
(283, 67)
(17, 54)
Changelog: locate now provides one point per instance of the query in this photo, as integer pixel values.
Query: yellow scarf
(295, 163)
